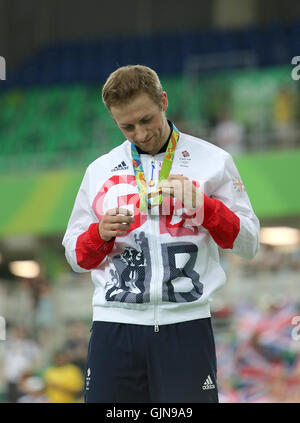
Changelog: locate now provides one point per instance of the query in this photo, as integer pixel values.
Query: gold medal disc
(151, 183)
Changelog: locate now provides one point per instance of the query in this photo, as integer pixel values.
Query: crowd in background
(222, 127)
(33, 374)
(258, 354)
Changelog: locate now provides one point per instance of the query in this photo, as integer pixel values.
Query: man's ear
(164, 100)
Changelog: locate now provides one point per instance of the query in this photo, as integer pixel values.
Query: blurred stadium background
(227, 68)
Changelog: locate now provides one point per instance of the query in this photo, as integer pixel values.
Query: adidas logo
(208, 384)
(121, 166)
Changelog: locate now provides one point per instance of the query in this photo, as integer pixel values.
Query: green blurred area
(68, 126)
(50, 127)
(41, 203)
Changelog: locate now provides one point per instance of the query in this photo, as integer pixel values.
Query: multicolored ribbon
(145, 202)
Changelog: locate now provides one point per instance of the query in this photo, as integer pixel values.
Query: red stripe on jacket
(91, 249)
(222, 223)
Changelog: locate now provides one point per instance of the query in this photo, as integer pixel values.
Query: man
(147, 222)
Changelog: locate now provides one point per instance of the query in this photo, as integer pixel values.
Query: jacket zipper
(156, 327)
(155, 249)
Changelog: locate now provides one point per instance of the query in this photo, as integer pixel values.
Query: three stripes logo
(88, 379)
(208, 384)
(2, 69)
(121, 166)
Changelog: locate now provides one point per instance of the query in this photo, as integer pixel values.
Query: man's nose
(140, 134)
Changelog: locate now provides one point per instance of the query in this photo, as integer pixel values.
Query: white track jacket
(165, 269)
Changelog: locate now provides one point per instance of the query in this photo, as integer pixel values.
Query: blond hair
(128, 81)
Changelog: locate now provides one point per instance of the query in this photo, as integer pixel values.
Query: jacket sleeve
(84, 248)
(229, 217)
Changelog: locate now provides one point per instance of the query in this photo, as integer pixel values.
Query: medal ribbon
(145, 202)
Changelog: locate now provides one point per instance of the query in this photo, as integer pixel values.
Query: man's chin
(147, 146)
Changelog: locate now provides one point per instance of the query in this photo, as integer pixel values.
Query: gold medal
(151, 183)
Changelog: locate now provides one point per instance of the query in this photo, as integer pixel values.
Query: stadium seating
(92, 61)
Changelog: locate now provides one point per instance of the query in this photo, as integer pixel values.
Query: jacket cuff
(96, 240)
(91, 249)
(221, 222)
(210, 205)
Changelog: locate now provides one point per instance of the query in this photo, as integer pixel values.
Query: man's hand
(182, 188)
(114, 223)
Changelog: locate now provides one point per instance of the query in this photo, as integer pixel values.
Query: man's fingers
(154, 193)
(112, 212)
(173, 176)
(113, 234)
(115, 226)
(168, 191)
(165, 191)
(121, 219)
(119, 210)
(171, 183)
(168, 187)
(119, 215)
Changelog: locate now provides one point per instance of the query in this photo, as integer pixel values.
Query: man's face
(143, 122)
